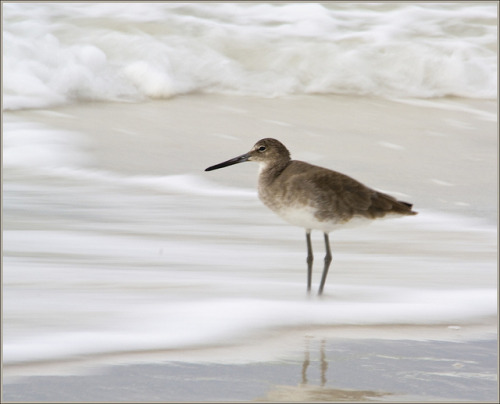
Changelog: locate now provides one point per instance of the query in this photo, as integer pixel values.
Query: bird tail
(383, 204)
(404, 208)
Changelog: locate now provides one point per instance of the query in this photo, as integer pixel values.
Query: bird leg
(310, 259)
(328, 260)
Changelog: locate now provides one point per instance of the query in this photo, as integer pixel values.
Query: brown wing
(338, 196)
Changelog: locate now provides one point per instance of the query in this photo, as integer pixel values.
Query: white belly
(304, 217)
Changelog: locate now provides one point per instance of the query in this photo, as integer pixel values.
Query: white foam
(129, 51)
(137, 277)
(29, 145)
(441, 182)
(150, 80)
(212, 322)
(390, 145)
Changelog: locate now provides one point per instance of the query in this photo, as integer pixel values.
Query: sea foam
(55, 54)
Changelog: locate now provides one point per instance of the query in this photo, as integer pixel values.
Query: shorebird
(314, 197)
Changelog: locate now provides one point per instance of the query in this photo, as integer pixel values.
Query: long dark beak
(236, 160)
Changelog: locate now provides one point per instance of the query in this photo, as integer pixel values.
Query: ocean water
(55, 54)
(100, 262)
(97, 262)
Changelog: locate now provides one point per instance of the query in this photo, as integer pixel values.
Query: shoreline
(320, 369)
(259, 348)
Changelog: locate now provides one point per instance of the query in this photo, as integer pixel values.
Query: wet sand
(440, 155)
(333, 369)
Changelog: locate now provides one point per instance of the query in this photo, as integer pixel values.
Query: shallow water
(323, 370)
(100, 262)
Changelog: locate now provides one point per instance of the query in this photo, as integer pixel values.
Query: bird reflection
(307, 361)
(307, 392)
(305, 365)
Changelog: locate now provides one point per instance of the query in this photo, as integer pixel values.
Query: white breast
(303, 216)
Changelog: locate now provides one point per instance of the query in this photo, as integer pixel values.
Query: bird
(314, 197)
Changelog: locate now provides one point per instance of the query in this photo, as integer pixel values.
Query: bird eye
(262, 148)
